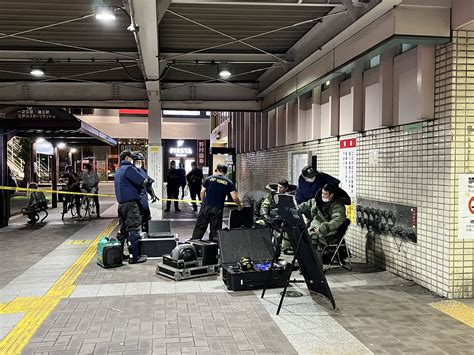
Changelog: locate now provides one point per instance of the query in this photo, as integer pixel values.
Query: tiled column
(357, 78)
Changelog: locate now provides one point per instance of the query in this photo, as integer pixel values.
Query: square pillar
(272, 129)
(281, 125)
(315, 120)
(264, 131)
(292, 122)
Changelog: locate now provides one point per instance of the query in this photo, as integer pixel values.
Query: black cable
(128, 73)
(167, 68)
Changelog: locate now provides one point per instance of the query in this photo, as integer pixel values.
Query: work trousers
(130, 221)
(195, 191)
(208, 215)
(172, 193)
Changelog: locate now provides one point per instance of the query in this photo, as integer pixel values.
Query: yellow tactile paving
(37, 309)
(457, 310)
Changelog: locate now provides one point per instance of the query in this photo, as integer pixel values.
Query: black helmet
(309, 172)
(222, 168)
(138, 156)
(125, 154)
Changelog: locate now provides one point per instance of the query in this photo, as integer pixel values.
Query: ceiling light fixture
(224, 71)
(73, 150)
(104, 13)
(61, 145)
(37, 71)
(40, 140)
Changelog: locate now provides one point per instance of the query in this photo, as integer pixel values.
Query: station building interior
(378, 94)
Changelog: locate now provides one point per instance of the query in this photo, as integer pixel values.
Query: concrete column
(155, 155)
(334, 100)
(425, 80)
(240, 132)
(315, 120)
(292, 122)
(264, 131)
(246, 132)
(281, 125)
(54, 177)
(272, 131)
(4, 194)
(252, 131)
(386, 87)
(304, 115)
(258, 131)
(358, 98)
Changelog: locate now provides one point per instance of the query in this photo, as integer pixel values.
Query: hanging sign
(466, 206)
(201, 153)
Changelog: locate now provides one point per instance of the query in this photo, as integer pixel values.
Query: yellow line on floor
(37, 309)
(457, 310)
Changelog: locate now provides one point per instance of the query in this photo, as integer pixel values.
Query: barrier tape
(23, 189)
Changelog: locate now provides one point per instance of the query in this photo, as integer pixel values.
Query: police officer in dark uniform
(128, 186)
(213, 194)
(194, 179)
(172, 186)
(138, 162)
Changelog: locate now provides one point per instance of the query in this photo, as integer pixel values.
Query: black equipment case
(156, 247)
(256, 244)
(205, 264)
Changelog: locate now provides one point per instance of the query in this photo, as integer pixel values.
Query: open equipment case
(253, 243)
(311, 266)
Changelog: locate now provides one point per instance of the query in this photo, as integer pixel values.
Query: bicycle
(69, 206)
(87, 205)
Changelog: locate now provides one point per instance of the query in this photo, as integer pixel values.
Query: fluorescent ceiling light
(40, 140)
(105, 14)
(224, 71)
(73, 150)
(37, 71)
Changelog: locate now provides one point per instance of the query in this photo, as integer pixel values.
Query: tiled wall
(459, 86)
(415, 166)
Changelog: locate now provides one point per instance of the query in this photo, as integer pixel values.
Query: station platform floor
(54, 299)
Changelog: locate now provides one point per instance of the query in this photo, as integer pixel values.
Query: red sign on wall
(471, 205)
(201, 153)
(348, 143)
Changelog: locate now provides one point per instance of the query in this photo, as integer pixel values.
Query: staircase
(15, 163)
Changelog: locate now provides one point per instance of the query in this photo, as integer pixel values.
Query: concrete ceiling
(178, 49)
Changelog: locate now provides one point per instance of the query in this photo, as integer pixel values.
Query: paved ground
(131, 310)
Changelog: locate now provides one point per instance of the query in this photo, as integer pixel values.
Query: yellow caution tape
(22, 189)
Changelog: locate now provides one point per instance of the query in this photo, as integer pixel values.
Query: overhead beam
(355, 12)
(226, 57)
(208, 92)
(66, 91)
(296, 3)
(212, 105)
(162, 7)
(64, 55)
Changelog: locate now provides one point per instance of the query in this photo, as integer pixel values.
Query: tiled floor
(131, 310)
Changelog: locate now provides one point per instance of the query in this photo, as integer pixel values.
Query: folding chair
(336, 249)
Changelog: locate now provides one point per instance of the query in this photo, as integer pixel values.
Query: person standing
(194, 179)
(72, 185)
(215, 190)
(182, 179)
(310, 182)
(128, 186)
(138, 162)
(90, 182)
(172, 186)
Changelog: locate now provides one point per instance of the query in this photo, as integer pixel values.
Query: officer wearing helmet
(138, 162)
(310, 182)
(129, 183)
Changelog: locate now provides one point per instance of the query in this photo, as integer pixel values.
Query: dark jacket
(307, 190)
(328, 217)
(268, 204)
(254, 200)
(144, 192)
(194, 178)
(182, 177)
(128, 183)
(173, 178)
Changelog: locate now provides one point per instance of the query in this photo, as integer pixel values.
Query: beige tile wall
(416, 166)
